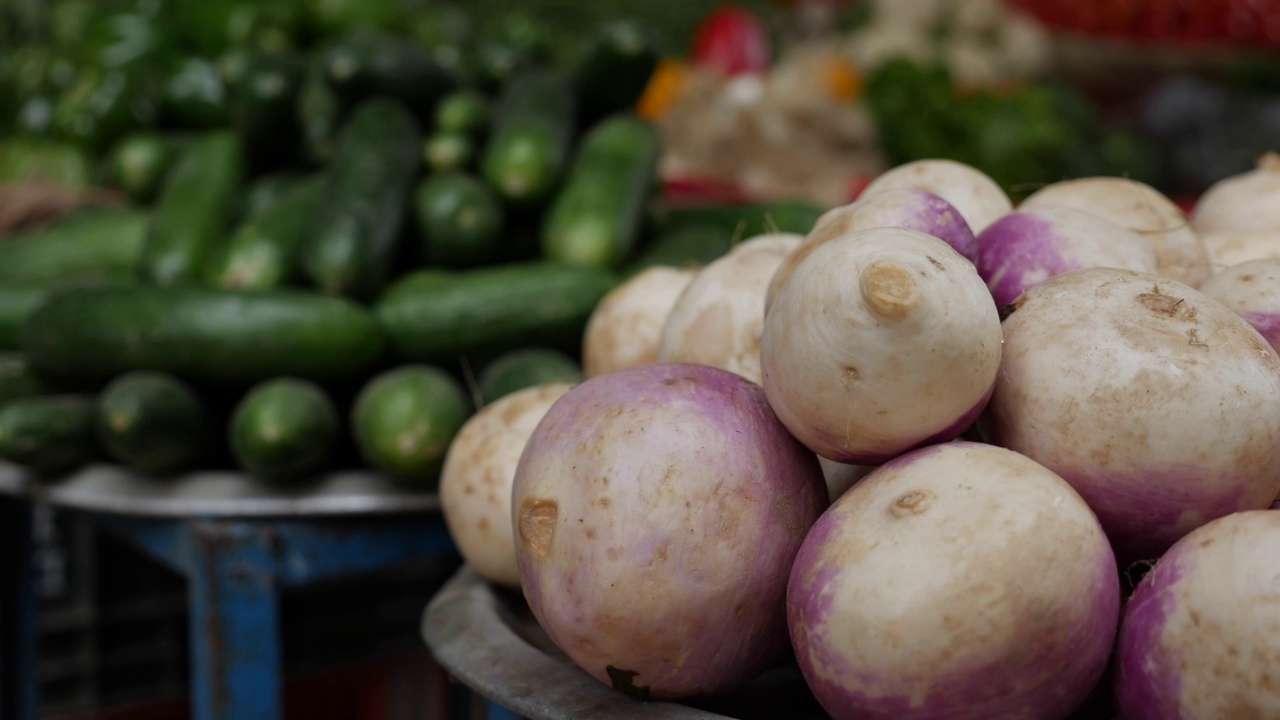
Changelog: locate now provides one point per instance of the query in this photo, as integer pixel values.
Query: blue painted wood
(312, 551)
(19, 688)
(494, 711)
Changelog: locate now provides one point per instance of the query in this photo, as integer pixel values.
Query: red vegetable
(734, 41)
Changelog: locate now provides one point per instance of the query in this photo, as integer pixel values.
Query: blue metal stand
(19, 691)
(236, 570)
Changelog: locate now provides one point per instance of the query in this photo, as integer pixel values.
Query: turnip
(1026, 247)
(1158, 404)
(897, 207)
(1252, 291)
(719, 317)
(658, 510)
(1225, 249)
(626, 327)
(958, 582)
(475, 483)
(1200, 638)
(978, 198)
(883, 340)
(1249, 202)
(1138, 207)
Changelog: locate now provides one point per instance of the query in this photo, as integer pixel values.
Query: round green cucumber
(447, 151)
(459, 218)
(138, 163)
(524, 368)
(283, 429)
(48, 434)
(152, 422)
(463, 111)
(404, 419)
(16, 379)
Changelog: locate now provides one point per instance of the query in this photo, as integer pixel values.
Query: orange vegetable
(843, 81)
(664, 88)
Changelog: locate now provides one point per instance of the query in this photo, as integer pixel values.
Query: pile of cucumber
(376, 245)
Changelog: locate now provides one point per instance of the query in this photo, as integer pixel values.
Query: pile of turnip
(931, 447)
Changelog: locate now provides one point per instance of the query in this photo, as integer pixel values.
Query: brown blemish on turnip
(936, 264)
(889, 290)
(913, 502)
(1157, 301)
(538, 525)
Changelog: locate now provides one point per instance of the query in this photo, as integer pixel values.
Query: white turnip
(475, 482)
(883, 340)
(1252, 291)
(1026, 247)
(719, 317)
(1200, 638)
(1249, 202)
(958, 582)
(626, 327)
(1138, 207)
(971, 191)
(1158, 404)
(658, 511)
(907, 208)
(1225, 249)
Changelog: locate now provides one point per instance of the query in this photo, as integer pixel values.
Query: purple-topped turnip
(978, 198)
(1244, 203)
(1028, 246)
(1252, 291)
(1138, 207)
(907, 208)
(657, 513)
(1200, 638)
(1158, 404)
(958, 582)
(882, 341)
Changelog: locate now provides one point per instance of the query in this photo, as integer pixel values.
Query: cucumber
(459, 219)
(17, 380)
(61, 163)
(524, 368)
(691, 244)
(465, 112)
(264, 107)
(596, 217)
(436, 317)
(448, 151)
(283, 429)
(263, 252)
(193, 95)
(152, 422)
(266, 191)
(138, 163)
(106, 242)
(48, 434)
(351, 241)
(613, 68)
(744, 221)
(199, 334)
(193, 210)
(534, 124)
(367, 63)
(17, 301)
(404, 419)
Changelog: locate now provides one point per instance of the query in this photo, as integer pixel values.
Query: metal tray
(105, 488)
(488, 639)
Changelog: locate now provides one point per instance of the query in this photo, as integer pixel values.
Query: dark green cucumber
(747, 220)
(448, 151)
(266, 191)
(366, 63)
(106, 242)
(351, 242)
(533, 127)
(200, 334)
(138, 164)
(263, 251)
(16, 378)
(596, 217)
(264, 104)
(193, 210)
(152, 422)
(283, 429)
(193, 95)
(613, 68)
(48, 434)
(437, 317)
(525, 368)
(404, 419)
(690, 244)
(17, 301)
(459, 219)
(465, 112)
